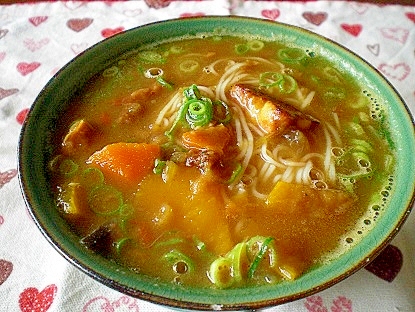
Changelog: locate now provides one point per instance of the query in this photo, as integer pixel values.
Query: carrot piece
(126, 163)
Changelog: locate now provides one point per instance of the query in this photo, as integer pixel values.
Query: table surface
(36, 39)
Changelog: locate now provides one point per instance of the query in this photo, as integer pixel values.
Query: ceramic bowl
(35, 149)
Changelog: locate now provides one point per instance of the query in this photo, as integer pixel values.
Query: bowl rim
(68, 249)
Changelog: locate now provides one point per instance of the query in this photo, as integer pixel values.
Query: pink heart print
(33, 300)
(26, 68)
(7, 92)
(353, 29)
(397, 34)
(37, 20)
(271, 14)
(6, 268)
(397, 71)
(315, 18)
(316, 304)
(79, 24)
(7, 176)
(101, 303)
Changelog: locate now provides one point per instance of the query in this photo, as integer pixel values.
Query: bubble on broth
(365, 223)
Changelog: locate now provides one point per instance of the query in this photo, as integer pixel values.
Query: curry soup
(222, 161)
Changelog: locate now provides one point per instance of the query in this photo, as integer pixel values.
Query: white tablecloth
(37, 39)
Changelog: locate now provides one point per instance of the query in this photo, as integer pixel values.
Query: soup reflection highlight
(222, 161)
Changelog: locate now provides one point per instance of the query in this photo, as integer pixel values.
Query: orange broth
(222, 204)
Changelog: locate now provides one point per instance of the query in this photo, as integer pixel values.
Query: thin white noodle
(288, 175)
(266, 157)
(291, 163)
(336, 120)
(334, 133)
(208, 91)
(312, 155)
(169, 108)
(299, 175)
(306, 172)
(255, 192)
(308, 99)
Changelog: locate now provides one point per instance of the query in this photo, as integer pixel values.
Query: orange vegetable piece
(126, 164)
(212, 138)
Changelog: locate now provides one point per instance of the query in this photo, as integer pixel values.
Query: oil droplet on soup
(225, 161)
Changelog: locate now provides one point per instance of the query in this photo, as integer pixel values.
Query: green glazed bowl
(35, 148)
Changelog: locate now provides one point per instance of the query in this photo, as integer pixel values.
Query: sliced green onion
(199, 112)
(68, 167)
(159, 165)
(239, 260)
(192, 92)
(92, 177)
(332, 73)
(189, 66)
(220, 272)
(179, 260)
(255, 45)
(120, 243)
(170, 242)
(270, 79)
(241, 48)
(126, 212)
(287, 85)
(199, 244)
(235, 173)
(111, 72)
(221, 112)
(151, 57)
(176, 49)
(259, 256)
(164, 83)
(105, 200)
(291, 55)
(335, 93)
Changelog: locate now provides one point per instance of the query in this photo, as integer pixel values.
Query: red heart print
(315, 18)
(37, 20)
(271, 14)
(398, 71)
(7, 92)
(108, 32)
(387, 264)
(7, 176)
(21, 116)
(3, 32)
(79, 24)
(31, 300)
(6, 268)
(26, 68)
(411, 16)
(353, 29)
